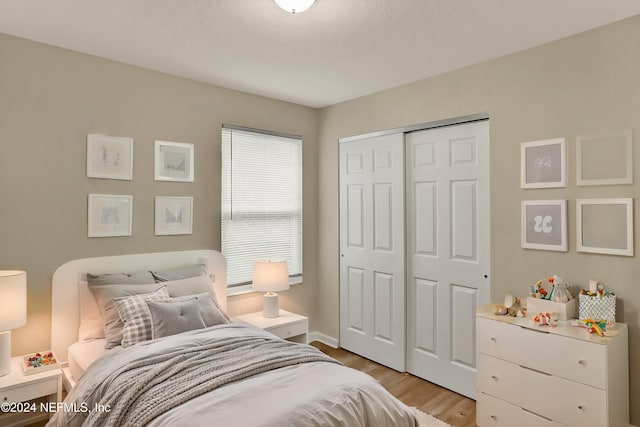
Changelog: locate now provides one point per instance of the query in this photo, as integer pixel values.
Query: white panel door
(372, 267)
(447, 191)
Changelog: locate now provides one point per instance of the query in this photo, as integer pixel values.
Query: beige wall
(582, 85)
(51, 98)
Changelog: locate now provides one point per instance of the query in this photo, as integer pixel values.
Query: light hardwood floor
(450, 407)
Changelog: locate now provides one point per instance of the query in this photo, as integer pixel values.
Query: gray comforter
(227, 375)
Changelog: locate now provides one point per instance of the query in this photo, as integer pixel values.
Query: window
(261, 201)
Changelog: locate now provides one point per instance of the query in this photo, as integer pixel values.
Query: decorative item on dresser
(288, 326)
(560, 376)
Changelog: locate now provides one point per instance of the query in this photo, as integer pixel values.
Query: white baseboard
(323, 338)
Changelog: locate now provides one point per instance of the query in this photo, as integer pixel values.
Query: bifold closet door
(372, 266)
(447, 192)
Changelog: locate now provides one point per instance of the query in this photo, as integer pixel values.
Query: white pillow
(91, 326)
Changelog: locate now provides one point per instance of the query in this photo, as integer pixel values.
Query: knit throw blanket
(144, 389)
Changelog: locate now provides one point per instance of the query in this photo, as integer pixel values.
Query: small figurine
(512, 307)
(537, 291)
(560, 292)
(596, 326)
(546, 319)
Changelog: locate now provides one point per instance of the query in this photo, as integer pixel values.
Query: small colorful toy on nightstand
(39, 362)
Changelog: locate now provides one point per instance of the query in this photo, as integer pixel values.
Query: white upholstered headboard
(65, 313)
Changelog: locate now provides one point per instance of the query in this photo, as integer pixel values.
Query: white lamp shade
(270, 276)
(295, 6)
(13, 299)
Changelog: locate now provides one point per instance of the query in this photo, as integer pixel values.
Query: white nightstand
(16, 387)
(289, 326)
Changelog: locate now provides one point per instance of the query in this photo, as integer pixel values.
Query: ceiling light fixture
(295, 6)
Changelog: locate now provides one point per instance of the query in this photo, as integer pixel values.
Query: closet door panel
(447, 247)
(372, 313)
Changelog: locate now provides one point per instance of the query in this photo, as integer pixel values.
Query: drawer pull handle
(493, 377)
(538, 415)
(494, 339)
(535, 370)
(581, 362)
(5, 399)
(581, 406)
(493, 417)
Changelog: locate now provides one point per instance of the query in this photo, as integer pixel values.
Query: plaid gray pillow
(135, 315)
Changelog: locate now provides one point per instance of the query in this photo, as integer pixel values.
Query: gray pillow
(135, 278)
(180, 273)
(194, 285)
(112, 323)
(134, 313)
(170, 318)
(209, 312)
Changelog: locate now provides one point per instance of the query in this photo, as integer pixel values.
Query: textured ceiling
(336, 50)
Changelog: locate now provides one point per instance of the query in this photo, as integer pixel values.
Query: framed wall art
(174, 215)
(109, 215)
(173, 161)
(604, 159)
(543, 164)
(109, 157)
(544, 224)
(605, 226)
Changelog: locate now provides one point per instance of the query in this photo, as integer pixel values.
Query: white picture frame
(173, 161)
(605, 226)
(544, 225)
(543, 164)
(173, 215)
(605, 159)
(109, 157)
(109, 215)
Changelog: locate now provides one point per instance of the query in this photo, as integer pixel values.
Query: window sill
(247, 289)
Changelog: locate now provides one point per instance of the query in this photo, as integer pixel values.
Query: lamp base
(5, 353)
(270, 306)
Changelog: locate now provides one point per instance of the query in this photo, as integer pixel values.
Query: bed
(216, 374)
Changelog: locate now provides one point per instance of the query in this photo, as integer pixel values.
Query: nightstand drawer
(29, 391)
(290, 330)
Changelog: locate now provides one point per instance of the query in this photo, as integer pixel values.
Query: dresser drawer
(574, 359)
(289, 330)
(492, 412)
(26, 392)
(550, 396)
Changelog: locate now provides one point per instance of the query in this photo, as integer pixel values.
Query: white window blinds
(261, 201)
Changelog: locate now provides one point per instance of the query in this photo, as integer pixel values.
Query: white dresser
(538, 376)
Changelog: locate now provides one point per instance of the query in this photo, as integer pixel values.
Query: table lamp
(13, 312)
(270, 277)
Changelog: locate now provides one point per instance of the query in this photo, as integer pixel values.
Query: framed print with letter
(544, 224)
